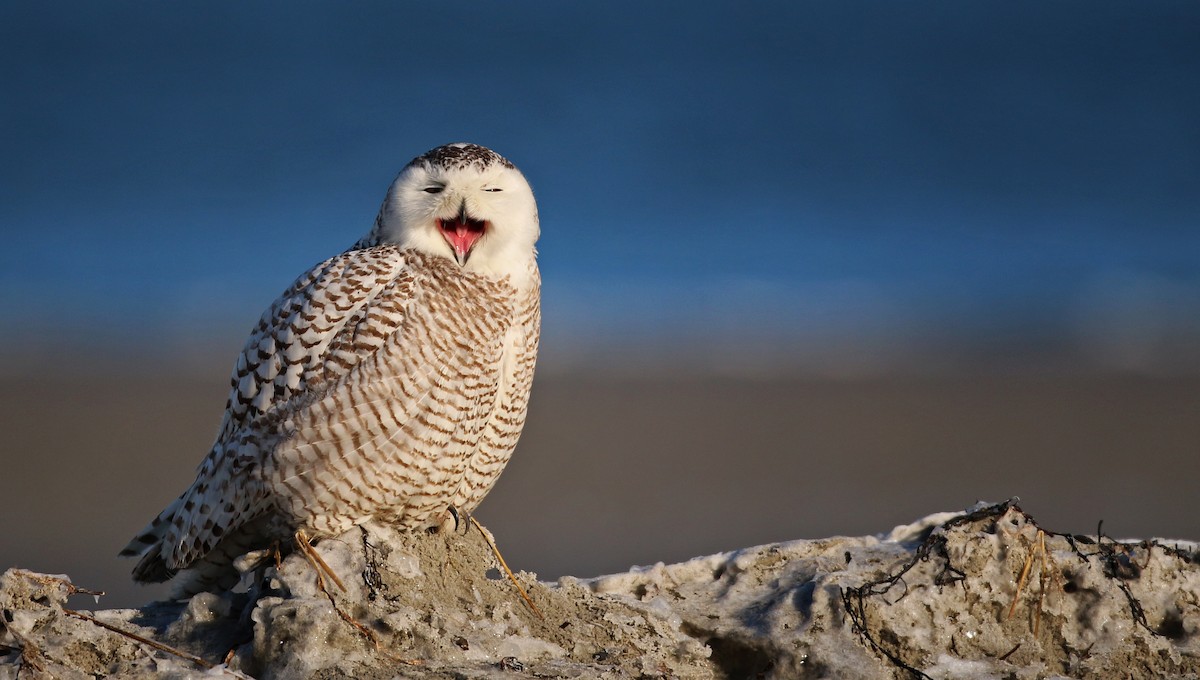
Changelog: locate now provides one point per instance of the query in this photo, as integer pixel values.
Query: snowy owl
(389, 382)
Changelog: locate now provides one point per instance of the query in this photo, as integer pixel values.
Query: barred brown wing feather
(321, 327)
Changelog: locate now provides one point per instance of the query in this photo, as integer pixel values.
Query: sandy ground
(613, 473)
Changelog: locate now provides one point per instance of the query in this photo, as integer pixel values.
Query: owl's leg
(319, 565)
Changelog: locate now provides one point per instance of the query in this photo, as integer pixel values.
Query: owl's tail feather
(214, 571)
(148, 544)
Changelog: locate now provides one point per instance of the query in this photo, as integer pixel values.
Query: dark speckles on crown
(459, 156)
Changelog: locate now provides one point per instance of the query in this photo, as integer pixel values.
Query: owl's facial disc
(462, 233)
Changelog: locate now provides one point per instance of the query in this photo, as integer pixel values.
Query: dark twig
(1116, 559)
(1114, 556)
(138, 638)
(854, 599)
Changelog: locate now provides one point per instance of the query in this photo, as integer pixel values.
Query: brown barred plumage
(389, 382)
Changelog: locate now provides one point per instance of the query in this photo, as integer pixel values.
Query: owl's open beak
(462, 233)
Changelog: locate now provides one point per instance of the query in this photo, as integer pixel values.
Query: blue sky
(807, 173)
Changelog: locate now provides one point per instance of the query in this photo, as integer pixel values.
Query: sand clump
(982, 594)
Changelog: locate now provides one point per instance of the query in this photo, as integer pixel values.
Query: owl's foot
(319, 565)
(451, 520)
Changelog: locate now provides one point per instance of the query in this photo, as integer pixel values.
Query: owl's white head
(466, 203)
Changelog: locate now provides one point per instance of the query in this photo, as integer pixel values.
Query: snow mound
(981, 594)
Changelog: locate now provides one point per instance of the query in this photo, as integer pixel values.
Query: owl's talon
(462, 520)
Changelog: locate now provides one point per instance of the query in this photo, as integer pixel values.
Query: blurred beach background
(809, 268)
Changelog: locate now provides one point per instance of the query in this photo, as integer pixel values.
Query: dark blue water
(1012, 168)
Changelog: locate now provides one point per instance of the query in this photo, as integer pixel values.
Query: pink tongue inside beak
(462, 235)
